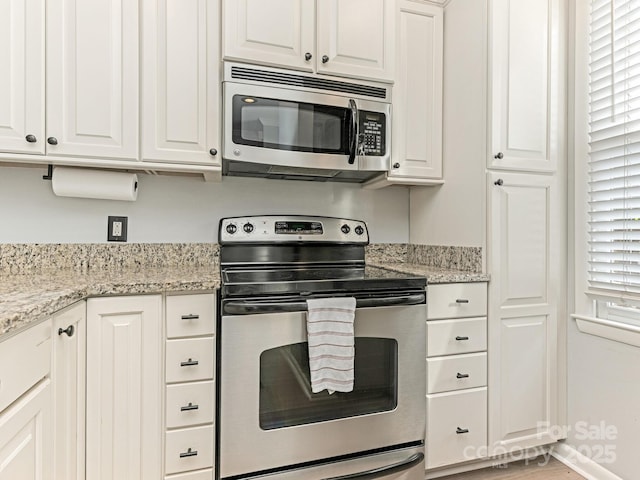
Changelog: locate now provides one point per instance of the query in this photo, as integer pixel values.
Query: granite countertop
(28, 298)
(434, 275)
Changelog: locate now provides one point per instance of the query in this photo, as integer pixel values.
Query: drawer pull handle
(462, 300)
(189, 453)
(462, 375)
(191, 316)
(189, 363)
(191, 406)
(461, 430)
(461, 338)
(68, 331)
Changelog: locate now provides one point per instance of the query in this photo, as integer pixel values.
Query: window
(614, 164)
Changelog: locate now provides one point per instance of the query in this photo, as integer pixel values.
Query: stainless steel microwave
(293, 125)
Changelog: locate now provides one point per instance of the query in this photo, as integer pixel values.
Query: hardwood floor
(534, 469)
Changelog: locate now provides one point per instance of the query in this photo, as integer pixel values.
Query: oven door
(269, 419)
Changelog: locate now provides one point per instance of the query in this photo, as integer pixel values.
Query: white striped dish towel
(331, 343)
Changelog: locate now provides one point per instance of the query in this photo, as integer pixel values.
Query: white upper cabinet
(417, 92)
(352, 39)
(180, 81)
(92, 78)
(525, 84)
(22, 76)
(355, 38)
(273, 32)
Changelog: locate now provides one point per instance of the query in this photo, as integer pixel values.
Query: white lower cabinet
(456, 374)
(124, 388)
(25, 436)
(68, 377)
(26, 440)
(190, 387)
(456, 427)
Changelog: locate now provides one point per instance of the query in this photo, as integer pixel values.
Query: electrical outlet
(117, 229)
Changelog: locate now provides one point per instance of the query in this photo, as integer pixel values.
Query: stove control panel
(292, 228)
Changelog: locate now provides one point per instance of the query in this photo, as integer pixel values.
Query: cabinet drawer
(189, 404)
(189, 449)
(199, 475)
(190, 315)
(189, 359)
(456, 372)
(455, 300)
(25, 359)
(449, 337)
(456, 427)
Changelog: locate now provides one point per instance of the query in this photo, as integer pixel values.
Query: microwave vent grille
(291, 79)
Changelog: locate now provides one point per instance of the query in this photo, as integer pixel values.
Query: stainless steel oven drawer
(409, 465)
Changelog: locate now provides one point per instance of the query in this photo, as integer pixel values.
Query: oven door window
(285, 387)
(294, 126)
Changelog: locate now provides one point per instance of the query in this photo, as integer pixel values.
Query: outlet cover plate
(111, 221)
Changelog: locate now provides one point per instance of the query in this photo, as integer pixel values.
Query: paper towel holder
(49, 175)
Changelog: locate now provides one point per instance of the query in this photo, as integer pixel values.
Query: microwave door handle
(353, 132)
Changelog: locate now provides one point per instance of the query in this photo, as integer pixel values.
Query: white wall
(454, 213)
(187, 209)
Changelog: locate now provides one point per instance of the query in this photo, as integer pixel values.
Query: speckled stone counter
(434, 274)
(28, 298)
(37, 280)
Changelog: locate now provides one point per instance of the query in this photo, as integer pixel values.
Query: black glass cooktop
(269, 281)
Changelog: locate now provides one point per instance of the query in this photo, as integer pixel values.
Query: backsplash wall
(176, 209)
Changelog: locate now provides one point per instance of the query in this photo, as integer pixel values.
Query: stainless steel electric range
(270, 424)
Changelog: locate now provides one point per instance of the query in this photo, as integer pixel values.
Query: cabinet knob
(308, 56)
(499, 156)
(191, 316)
(189, 363)
(461, 339)
(325, 59)
(31, 138)
(461, 430)
(69, 331)
(52, 141)
(213, 152)
(191, 406)
(396, 165)
(462, 300)
(462, 375)
(499, 182)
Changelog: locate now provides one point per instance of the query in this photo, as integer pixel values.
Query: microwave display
(372, 126)
(287, 125)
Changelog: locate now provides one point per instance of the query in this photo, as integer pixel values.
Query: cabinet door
(181, 81)
(527, 282)
(272, 32)
(357, 38)
(124, 388)
(25, 436)
(22, 76)
(417, 92)
(68, 376)
(92, 78)
(526, 84)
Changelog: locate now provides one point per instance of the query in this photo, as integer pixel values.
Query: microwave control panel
(372, 128)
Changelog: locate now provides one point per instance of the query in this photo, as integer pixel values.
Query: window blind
(614, 163)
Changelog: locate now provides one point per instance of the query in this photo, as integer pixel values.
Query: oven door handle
(244, 307)
(382, 472)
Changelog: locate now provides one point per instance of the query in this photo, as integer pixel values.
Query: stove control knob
(247, 227)
(345, 228)
(231, 229)
(359, 230)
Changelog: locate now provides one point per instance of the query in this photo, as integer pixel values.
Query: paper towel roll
(89, 183)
